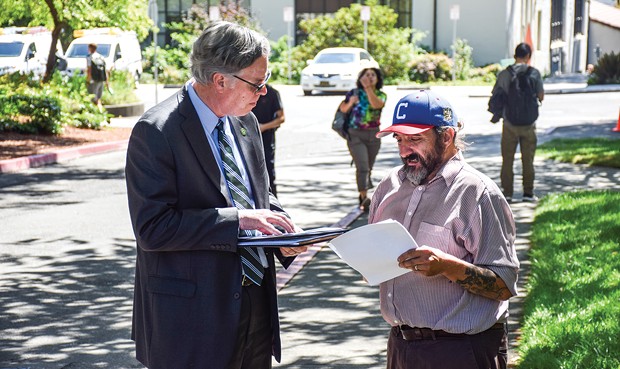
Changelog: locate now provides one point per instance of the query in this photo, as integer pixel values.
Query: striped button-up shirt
(461, 212)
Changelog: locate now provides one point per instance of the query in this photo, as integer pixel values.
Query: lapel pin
(243, 132)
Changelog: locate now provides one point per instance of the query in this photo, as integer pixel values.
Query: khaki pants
(525, 137)
(364, 147)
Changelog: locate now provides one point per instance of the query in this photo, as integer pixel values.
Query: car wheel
(307, 92)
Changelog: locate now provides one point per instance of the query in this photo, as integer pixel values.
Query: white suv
(335, 69)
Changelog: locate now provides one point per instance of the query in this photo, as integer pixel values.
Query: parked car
(25, 50)
(335, 69)
(120, 49)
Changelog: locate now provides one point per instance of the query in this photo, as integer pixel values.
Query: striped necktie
(252, 266)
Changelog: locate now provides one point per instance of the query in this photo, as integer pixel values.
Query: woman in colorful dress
(365, 104)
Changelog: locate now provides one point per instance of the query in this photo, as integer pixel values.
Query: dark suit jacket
(187, 297)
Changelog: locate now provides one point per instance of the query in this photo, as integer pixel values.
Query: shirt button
(236, 295)
(410, 213)
(390, 294)
(396, 322)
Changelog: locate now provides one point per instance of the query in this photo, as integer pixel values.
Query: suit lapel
(192, 128)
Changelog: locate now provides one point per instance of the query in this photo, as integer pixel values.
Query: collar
(208, 119)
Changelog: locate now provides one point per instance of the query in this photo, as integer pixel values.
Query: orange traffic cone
(617, 129)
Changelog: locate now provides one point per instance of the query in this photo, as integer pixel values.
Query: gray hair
(225, 47)
(459, 140)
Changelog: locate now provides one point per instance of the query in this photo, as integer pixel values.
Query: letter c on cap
(398, 115)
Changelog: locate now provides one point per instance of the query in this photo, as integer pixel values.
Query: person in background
(195, 183)
(94, 86)
(515, 133)
(365, 104)
(450, 310)
(270, 115)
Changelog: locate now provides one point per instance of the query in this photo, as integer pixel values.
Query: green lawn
(571, 315)
(591, 151)
(572, 309)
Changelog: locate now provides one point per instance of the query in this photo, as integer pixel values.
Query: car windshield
(335, 58)
(81, 50)
(11, 49)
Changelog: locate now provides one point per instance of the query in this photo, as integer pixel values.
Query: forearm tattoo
(482, 282)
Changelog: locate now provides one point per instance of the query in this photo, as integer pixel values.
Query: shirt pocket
(440, 238)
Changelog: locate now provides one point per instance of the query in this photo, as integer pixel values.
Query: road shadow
(68, 308)
(331, 318)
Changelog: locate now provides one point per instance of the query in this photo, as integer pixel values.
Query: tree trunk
(58, 27)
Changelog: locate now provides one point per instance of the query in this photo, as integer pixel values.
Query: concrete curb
(20, 164)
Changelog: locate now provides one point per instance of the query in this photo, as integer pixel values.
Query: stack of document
(308, 237)
(373, 250)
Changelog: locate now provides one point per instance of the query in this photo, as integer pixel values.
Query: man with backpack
(96, 74)
(516, 96)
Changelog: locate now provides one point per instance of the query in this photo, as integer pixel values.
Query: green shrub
(487, 74)
(462, 59)
(122, 89)
(279, 61)
(30, 114)
(430, 67)
(607, 70)
(31, 107)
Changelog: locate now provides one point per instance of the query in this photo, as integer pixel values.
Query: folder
(307, 237)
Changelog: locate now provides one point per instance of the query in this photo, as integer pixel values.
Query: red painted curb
(19, 164)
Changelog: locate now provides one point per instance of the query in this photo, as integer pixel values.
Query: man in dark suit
(197, 303)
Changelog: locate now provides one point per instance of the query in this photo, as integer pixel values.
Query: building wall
(608, 39)
(270, 14)
(541, 36)
(478, 23)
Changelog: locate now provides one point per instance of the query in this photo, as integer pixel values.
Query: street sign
(288, 14)
(365, 13)
(455, 12)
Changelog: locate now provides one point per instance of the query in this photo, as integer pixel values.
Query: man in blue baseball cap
(450, 311)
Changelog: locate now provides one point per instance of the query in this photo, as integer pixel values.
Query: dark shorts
(95, 88)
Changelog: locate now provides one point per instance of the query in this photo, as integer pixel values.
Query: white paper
(373, 250)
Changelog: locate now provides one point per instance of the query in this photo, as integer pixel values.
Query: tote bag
(340, 124)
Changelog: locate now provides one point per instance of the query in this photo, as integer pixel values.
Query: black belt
(415, 334)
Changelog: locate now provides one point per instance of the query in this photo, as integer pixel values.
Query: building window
(557, 25)
(402, 8)
(310, 9)
(579, 13)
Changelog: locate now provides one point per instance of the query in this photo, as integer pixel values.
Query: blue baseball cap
(419, 112)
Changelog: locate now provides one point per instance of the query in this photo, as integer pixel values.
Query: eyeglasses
(257, 87)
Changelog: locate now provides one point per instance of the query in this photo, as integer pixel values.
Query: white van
(25, 50)
(120, 49)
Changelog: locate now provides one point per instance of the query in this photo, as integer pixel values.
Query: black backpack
(97, 69)
(522, 100)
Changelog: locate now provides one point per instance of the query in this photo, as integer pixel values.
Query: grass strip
(601, 152)
(572, 309)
